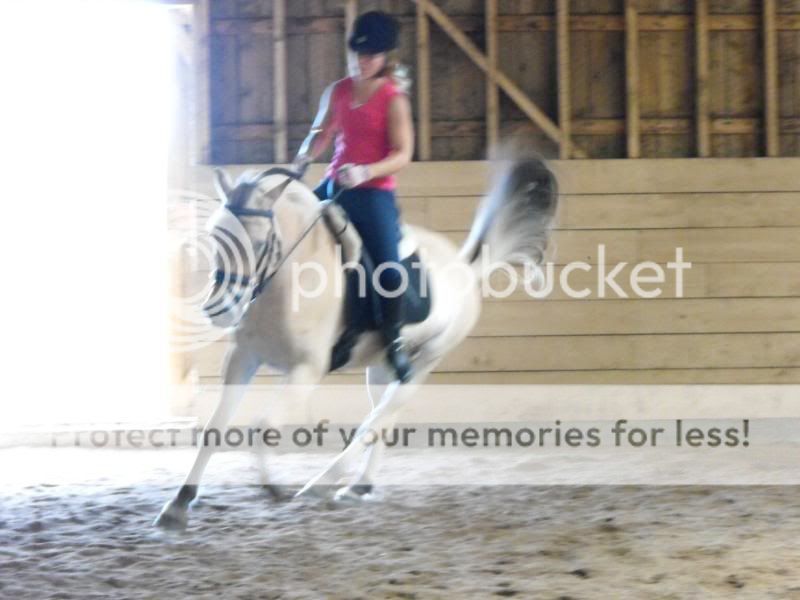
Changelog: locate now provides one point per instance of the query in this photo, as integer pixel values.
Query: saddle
(362, 306)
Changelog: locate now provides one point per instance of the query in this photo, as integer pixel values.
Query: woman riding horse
(370, 117)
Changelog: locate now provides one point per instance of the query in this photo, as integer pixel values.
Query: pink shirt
(363, 131)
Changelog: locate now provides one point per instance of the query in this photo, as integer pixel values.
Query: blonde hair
(397, 71)
(394, 69)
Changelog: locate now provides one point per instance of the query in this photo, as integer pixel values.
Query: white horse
(280, 217)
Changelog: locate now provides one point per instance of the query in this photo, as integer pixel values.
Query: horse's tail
(513, 222)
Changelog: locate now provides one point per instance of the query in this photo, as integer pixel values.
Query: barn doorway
(91, 116)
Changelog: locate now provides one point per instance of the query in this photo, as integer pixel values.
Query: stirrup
(398, 358)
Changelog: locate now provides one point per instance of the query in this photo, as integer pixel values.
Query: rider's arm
(401, 138)
(322, 130)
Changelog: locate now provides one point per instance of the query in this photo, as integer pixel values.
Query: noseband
(271, 246)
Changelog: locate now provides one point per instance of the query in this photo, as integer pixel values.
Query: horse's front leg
(300, 384)
(240, 366)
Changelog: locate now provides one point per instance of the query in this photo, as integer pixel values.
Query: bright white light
(85, 116)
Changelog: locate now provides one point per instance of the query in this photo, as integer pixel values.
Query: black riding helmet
(374, 32)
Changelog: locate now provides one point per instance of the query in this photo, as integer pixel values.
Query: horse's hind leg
(240, 366)
(377, 375)
(364, 481)
(368, 433)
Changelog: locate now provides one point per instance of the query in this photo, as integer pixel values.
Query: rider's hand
(351, 175)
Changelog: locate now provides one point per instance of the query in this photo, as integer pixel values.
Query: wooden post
(492, 95)
(200, 70)
(562, 53)
(701, 81)
(771, 116)
(281, 138)
(632, 78)
(350, 14)
(423, 84)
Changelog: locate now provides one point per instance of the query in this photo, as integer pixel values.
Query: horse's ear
(224, 185)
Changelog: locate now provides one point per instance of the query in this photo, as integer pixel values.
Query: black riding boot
(396, 352)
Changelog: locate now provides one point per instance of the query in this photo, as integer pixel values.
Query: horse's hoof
(276, 493)
(347, 495)
(355, 494)
(172, 518)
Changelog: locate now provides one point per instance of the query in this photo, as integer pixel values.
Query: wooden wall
(738, 223)
(242, 91)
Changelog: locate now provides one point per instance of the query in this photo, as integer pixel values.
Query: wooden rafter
(492, 95)
(350, 14)
(562, 58)
(501, 79)
(701, 81)
(281, 139)
(524, 23)
(771, 107)
(632, 78)
(423, 84)
(201, 69)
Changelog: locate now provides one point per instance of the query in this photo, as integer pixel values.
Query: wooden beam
(521, 23)
(423, 84)
(280, 92)
(492, 94)
(582, 127)
(562, 57)
(771, 106)
(350, 14)
(509, 87)
(632, 78)
(202, 92)
(701, 79)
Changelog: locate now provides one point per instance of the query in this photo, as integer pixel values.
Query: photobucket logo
(645, 279)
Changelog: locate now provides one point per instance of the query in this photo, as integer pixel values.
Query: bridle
(272, 245)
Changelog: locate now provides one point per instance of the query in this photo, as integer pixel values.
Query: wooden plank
(519, 23)
(746, 350)
(632, 79)
(723, 245)
(639, 316)
(771, 106)
(628, 211)
(423, 83)
(585, 127)
(600, 352)
(508, 86)
(350, 15)
(492, 94)
(645, 176)
(703, 280)
(201, 68)
(562, 57)
(701, 81)
(642, 376)
(280, 90)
